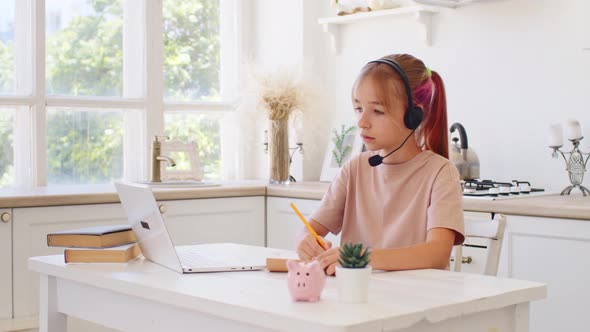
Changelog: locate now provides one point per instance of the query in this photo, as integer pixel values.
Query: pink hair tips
(424, 92)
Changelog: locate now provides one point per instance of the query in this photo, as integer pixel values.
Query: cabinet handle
(467, 260)
(162, 208)
(5, 217)
(464, 260)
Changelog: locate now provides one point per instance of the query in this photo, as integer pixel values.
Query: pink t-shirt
(393, 206)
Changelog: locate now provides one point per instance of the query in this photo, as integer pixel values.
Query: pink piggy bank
(305, 281)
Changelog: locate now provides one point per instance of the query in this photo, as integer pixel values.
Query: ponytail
(428, 92)
(434, 126)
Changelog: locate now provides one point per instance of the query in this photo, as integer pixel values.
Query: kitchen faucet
(157, 158)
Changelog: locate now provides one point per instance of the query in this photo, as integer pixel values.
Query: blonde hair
(427, 92)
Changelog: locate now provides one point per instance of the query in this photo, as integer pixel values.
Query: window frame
(143, 90)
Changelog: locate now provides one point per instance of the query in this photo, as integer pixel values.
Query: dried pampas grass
(280, 94)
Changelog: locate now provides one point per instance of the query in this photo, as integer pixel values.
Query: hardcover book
(119, 254)
(92, 237)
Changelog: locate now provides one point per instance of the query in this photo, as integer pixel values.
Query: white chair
(483, 242)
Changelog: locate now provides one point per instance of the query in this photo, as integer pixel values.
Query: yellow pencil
(317, 237)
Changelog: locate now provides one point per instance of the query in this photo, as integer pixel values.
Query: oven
(497, 190)
(475, 249)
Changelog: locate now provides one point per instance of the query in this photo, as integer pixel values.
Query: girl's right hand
(308, 247)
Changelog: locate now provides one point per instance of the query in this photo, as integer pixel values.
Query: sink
(181, 184)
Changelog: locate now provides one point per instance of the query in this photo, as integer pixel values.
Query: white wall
(510, 67)
(285, 38)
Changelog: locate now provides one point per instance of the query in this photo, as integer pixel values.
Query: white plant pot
(353, 284)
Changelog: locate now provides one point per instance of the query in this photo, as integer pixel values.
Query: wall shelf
(450, 3)
(422, 15)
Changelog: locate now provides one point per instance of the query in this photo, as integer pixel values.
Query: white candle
(555, 135)
(265, 137)
(574, 130)
(298, 126)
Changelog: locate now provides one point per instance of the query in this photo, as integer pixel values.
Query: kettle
(463, 157)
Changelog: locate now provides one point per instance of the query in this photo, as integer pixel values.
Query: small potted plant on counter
(352, 276)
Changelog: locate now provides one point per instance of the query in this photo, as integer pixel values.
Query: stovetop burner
(497, 189)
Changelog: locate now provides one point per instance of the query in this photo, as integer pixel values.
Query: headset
(413, 115)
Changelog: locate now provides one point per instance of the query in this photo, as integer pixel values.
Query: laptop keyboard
(192, 259)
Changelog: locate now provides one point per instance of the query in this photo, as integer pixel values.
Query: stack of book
(102, 244)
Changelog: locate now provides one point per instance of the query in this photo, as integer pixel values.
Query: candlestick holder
(575, 165)
(297, 147)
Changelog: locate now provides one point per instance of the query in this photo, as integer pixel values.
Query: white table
(143, 296)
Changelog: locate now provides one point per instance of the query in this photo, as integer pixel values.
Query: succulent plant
(354, 256)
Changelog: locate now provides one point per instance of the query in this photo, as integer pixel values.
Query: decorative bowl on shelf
(383, 4)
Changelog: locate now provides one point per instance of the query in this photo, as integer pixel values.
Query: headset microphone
(377, 160)
(413, 114)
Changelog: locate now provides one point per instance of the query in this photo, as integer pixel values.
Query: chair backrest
(489, 234)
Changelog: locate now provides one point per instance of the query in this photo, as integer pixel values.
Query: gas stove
(500, 190)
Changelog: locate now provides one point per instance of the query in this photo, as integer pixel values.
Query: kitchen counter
(555, 206)
(305, 190)
(100, 194)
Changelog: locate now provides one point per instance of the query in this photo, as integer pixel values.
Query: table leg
(521, 321)
(50, 320)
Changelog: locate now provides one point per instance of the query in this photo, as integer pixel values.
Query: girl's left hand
(329, 260)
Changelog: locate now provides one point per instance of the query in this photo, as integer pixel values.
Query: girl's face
(382, 126)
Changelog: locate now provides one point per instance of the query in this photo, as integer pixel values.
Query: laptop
(143, 215)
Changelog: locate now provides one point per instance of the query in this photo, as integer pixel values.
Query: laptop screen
(144, 216)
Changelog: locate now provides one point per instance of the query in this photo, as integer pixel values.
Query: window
(191, 56)
(84, 46)
(85, 146)
(6, 47)
(204, 129)
(7, 87)
(6, 149)
(197, 69)
(81, 101)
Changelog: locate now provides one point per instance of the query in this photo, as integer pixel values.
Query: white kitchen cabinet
(30, 228)
(556, 252)
(236, 220)
(283, 225)
(6, 261)
(239, 220)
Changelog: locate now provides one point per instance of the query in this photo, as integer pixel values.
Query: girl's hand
(329, 260)
(308, 247)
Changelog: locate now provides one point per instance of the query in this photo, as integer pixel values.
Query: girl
(402, 198)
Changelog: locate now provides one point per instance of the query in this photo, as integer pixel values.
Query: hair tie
(428, 72)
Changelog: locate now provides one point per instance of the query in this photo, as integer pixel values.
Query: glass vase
(279, 151)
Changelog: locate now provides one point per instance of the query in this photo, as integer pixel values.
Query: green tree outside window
(85, 59)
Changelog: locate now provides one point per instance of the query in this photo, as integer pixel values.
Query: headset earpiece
(413, 117)
(414, 114)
